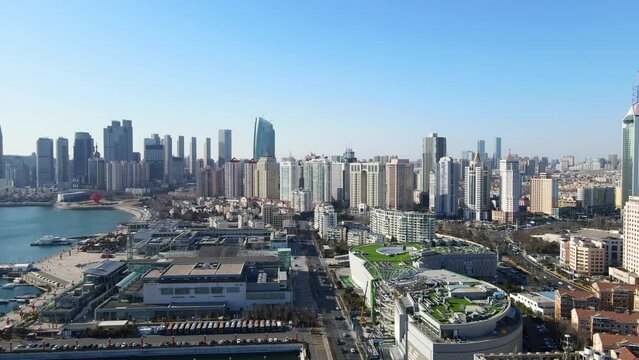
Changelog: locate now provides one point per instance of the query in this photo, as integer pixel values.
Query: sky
(549, 77)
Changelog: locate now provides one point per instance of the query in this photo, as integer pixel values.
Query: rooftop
(200, 269)
(105, 268)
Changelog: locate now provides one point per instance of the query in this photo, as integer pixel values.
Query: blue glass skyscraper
(263, 139)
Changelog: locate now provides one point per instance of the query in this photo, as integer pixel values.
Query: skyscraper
(289, 178)
(399, 184)
(263, 139)
(118, 141)
(510, 188)
(154, 158)
(477, 190)
(233, 178)
(45, 172)
(630, 151)
(367, 184)
(248, 183)
(337, 181)
(446, 201)
(497, 153)
(82, 151)
(2, 165)
(224, 147)
(168, 156)
(207, 152)
(481, 149)
(266, 178)
(631, 235)
(317, 179)
(434, 148)
(62, 160)
(180, 147)
(193, 156)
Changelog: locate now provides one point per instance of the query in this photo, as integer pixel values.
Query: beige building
(544, 192)
(631, 235)
(399, 184)
(595, 321)
(266, 178)
(367, 184)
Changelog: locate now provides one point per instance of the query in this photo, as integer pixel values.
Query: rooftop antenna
(635, 92)
(567, 347)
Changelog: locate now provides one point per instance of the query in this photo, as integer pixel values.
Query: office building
(434, 148)
(208, 160)
(154, 158)
(266, 178)
(290, 173)
(83, 149)
(193, 156)
(446, 200)
(544, 192)
(597, 321)
(399, 185)
(497, 153)
(631, 235)
(596, 200)
(45, 172)
(338, 184)
(317, 179)
(233, 177)
(630, 151)
(481, 148)
(62, 160)
(209, 181)
(263, 139)
(121, 175)
(176, 171)
(180, 147)
(118, 141)
(477, 190)
(97, 171)
(367, 184)
(168, 156)
(403, 226)
(224, 147)
(510, 191)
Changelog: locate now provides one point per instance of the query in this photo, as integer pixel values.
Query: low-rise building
(591, 256)
(606, 342)
(597, 321)
(540, 303)
(615, 297)
(567, 300)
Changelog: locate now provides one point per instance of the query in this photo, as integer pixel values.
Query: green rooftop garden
(369, 252)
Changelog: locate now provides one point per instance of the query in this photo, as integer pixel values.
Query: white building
(325, 218)
(403, 226)
(317, 179)
(447, 180)
(290, 173)
(233, 177)
(510, 186)
(301, 201)
(538, 303)
(477, 191)
(356, 237)
(338, 191)
(631, 235)
(248, 182)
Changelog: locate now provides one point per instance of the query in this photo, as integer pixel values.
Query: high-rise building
(403, 226)
(180, 147)
(477, 190)
(118, 141)
(497, 153)
(45, 173)
(301, 201)
(233, 177)
(176, 171)
(434, 148)
(224, 147)
(82, 151)
(290, 173)
(97, 170)
(630, 151)
(631, 235)
(317, 179)
(154, 158)
(193, 156)
(367, 184)
(2, 165)
(208, 160)
(349, 156)
(544, 193)
(338, 169)
(510, 187)
(481, 148)
(249, 184)
(263, 139)
(208, 181)
(446, 201)
(62, 160)
(399, 184)
(266, 178)
(168, 156)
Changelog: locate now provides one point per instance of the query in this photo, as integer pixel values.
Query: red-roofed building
(605, 342)
(593, 321)
(615, 297)
(566, 300)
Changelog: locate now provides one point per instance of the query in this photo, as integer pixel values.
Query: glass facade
(263, 139)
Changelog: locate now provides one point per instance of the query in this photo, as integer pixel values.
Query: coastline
(25, 204)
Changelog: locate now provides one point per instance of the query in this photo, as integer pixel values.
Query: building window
(217, 290)
(232, 290)
(166, 291)
(182, 291)
(201, 290)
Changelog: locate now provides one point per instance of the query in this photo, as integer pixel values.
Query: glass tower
(263, 139)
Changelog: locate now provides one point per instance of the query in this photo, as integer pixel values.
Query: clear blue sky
(549, 77)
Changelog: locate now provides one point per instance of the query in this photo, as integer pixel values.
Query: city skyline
(415, 75)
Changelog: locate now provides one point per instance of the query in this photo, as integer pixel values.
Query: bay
(19, 226)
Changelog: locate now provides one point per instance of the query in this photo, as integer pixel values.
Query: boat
(50, 240)
(10, 285)
(26, 296)
(5, 301)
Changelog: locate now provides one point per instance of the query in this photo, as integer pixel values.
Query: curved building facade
(263, 139)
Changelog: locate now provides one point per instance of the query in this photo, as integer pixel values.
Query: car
(353, 351)
(346, 335)
(340, 342)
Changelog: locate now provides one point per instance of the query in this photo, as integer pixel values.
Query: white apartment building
(510, 184)
(233, 177)
(403, 226)
(317, 179)
(290, 173)
(301, 201)
(367, 184)
(325, 218)
(477, 191)
(631, 235)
